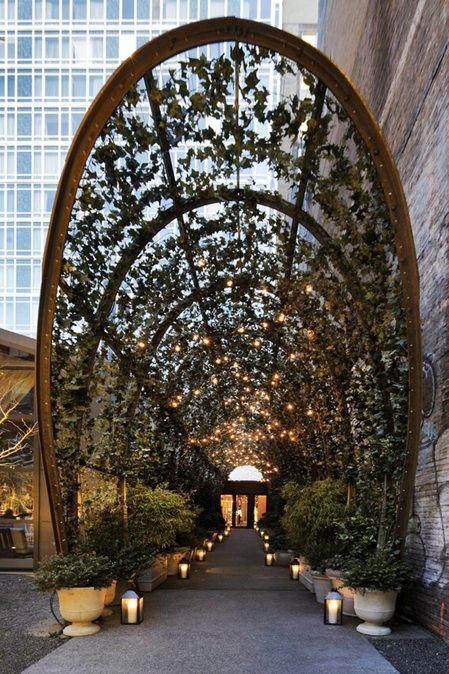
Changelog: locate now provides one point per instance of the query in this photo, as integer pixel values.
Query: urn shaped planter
(374, 607)
(108, 599)
(79, 606)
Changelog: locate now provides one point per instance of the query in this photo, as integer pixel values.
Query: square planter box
(306, 579)
(153, 575)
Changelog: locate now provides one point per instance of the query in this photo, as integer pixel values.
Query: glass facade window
(57, 55)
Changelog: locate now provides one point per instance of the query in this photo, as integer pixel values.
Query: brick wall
(396, 53)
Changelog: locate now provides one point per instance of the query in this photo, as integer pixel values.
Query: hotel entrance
(243, 503)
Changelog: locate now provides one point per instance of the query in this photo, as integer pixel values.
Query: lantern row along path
(232, 616)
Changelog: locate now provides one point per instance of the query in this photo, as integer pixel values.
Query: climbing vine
(230, 290)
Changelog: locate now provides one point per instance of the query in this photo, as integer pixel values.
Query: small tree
(16, 432)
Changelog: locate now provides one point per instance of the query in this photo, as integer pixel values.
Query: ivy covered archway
(230, 278)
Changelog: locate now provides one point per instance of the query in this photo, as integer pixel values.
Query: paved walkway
(234, 616)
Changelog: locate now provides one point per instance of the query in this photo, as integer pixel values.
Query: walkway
(234, 616)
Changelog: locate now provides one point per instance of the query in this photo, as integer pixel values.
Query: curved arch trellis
(136, 67)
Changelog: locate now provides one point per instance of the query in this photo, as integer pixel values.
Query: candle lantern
(184, 569)
(261, 532)
(333, 608)
(131, 608)
(256, 528)
(220, 537)
(294, 569)
(200, 555)
(266, 546)
(209, 546)
(226, 532)
(266, 537)
(269, 558)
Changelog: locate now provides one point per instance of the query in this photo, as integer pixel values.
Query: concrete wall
(396, 53)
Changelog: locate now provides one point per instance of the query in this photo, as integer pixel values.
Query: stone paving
(233, 616)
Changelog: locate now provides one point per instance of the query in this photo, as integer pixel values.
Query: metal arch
(146, 58)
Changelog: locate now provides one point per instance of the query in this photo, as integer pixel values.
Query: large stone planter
(305, 578)
(155, 574)
(79, 606)
(173, 560)
(108, 599)
(283, 557)
(347, 593)
(321, 586)
(374, 607)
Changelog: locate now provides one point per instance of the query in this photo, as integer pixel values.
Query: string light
(141, 344)
(309, 288)
(311, 334)
(229, 283)
(177, 348)
(257, 343)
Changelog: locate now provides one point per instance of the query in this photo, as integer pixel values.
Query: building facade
(55, 55)
(397, 55)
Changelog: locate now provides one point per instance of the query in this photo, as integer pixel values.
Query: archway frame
(145, 59)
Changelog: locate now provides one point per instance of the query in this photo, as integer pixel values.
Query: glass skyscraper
(54, 57)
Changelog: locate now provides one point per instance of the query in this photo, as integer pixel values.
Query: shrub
(381, 570)
(311, 517)
(78, 569)
(157, 516)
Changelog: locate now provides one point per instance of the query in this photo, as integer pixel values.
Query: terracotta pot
(108, 599)
(374, 607)
(81, 605)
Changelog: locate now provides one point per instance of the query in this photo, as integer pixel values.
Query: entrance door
(241, 510)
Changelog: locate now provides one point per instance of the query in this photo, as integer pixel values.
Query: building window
(24, 10)
(112, 9)
(24, 47)
(23, 201)
(79, 10)
(51, 86)
(23, 86)
(78, 86)
(52, 9)
(127, 9)
(24, 163)
(96, 9)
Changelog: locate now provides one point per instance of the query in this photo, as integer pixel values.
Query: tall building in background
(54, 57)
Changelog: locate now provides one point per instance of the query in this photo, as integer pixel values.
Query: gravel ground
(415, 656)
(26, 623)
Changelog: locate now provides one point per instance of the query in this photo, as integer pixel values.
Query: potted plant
(310, 518)
(376, 580)
(80, 580)
(282, 552)
(155, 518)
(356, 538)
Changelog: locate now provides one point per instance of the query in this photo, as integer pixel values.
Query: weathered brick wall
(396, 53)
